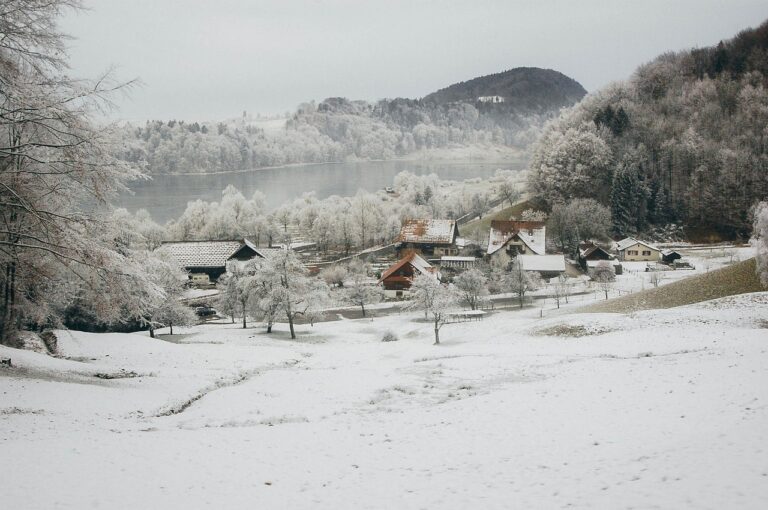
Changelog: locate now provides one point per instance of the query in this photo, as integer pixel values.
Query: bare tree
(603, 275)
(52, 162)
(519, 281)
(360, 292)
(561, 289)
(656, 277)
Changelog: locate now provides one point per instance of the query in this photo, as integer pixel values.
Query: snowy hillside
(659, 408)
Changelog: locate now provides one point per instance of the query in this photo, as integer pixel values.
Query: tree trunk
(233, 318)
(290, 325)
(171, 326)
(269, 328)
(437, 334)
(151, 332)
(244, 324)
(362, 306)
(521, 300)
(606, 293)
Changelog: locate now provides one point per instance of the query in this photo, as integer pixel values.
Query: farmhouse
(432, 238)
(398, 277)
(507, 239)
(206, 261)
(631, 249)
(491, 99)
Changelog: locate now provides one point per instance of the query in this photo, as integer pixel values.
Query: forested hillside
(338, 129)
(683, 140)
(524, 89)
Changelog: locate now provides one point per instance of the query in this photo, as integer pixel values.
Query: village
(435, 249)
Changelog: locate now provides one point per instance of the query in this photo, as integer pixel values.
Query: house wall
(640, 253)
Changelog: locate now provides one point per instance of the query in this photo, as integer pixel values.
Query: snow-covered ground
(658, 409)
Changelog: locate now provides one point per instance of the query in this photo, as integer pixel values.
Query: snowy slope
(661, 408)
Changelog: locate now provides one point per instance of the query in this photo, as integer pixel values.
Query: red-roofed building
(432, 238)
(398, 277)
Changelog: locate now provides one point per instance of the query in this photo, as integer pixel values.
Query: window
(632, 252)
(646, 253)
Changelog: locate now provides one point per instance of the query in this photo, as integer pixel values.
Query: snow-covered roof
(428, 231)
(201, 253)
(594, 263)
(542, 262)
(418, 263)
(457, 259)
(531, 233)
(631, 241)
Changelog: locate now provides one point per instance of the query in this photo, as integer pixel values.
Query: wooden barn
(398, 277)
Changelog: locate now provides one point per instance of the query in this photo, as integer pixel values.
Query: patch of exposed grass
(571, 330)
(739, 278)
(484, 225)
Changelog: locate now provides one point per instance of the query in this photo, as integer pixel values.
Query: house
(247, 252)
(431, 238)
(507, 239)
(206, 261)
(398, 277)
(670, 256)
(491, 99)
(590, 254)
(548, 266)
(631, 249)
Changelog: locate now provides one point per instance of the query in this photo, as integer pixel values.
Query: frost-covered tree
(760, 240)
(288, 286)
(168, 310)
(360, 290)
(471, 287)
(519, 281)
(227, 300)
(561, 289)
(575, 221)
(334, 275)
(603, 274)
(53, 162)
(436, 299)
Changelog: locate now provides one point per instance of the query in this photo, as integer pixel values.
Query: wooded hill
(338, 128)
(524, 89)
(683, 140)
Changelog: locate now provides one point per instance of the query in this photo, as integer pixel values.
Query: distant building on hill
(491, 99)
(431, 238)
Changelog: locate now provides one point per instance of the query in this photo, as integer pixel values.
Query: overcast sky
(213, 59)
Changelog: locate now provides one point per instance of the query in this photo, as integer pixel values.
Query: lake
(166, 196)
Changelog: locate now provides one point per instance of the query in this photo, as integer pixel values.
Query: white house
(630, 249)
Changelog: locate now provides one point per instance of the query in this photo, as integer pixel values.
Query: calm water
(166, 196)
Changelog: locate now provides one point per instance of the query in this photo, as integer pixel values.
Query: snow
(542, 262)
(662, 408)
(427, 231)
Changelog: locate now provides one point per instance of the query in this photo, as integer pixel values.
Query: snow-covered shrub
(389, 336)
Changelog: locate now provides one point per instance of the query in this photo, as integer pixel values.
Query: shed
(398, 277)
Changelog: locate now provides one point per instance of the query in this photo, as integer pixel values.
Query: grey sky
(212, 59)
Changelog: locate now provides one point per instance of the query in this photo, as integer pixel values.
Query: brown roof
(414, 259)
(428, 231)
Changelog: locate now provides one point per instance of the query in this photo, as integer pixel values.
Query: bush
(389, 337)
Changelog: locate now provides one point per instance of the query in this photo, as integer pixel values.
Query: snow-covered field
(658, 409)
